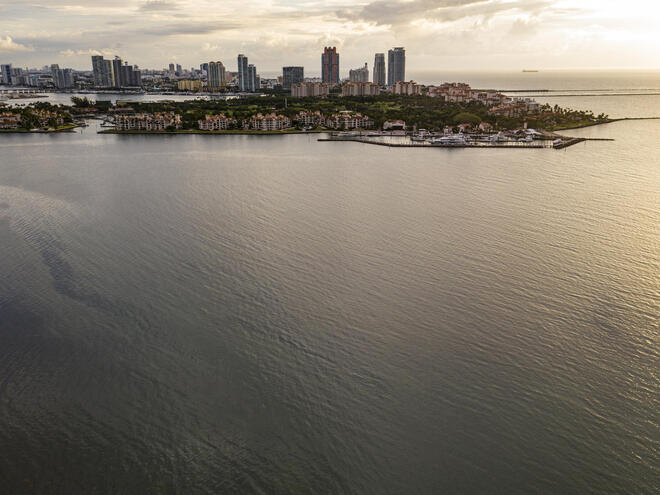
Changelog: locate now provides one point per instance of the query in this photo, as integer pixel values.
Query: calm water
(201, 314)
(615, 93)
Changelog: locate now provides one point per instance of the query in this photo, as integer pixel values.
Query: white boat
(421, 135)
(450, 140)
(498, 138)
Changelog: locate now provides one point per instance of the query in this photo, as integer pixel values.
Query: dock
(509, 145)
(543, 143)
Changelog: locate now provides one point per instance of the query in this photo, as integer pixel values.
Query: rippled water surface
(202, 314)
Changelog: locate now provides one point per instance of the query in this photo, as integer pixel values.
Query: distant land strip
(545, 95)
(619, 90)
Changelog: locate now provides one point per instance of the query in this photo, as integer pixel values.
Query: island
(452, 114)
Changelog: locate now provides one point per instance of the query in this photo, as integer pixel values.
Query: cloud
(208, 47)
(436, 33)
(90, 51)
(9, 45)
(401, 12)
(158, 5)
(184, 28)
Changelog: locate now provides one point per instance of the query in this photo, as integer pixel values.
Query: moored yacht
(450, 140)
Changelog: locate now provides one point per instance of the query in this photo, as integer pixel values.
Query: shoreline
(609, 121)
(212, 133)
(69, 128)
(237, 132)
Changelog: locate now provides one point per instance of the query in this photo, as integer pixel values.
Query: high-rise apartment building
(330, 65)
(130, 75)
(18, 76)
(396, 65)
(114, 73)
(291, 76)
(62, 78)
(5, 74)
(117, 81)
(102, 71)
(253, 82)
(379, 69)
(242, 73)
(216, 75)
(359, 75)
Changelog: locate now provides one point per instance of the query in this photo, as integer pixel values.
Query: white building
(360, 89)
(216, 123)
(394, 125)
(268, 122)
(349, 120)
(147, 122)
(406, 88)
(359, 75)
(310, 118)
(309, 89)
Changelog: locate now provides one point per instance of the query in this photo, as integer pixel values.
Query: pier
(536, 144)
(509, 145)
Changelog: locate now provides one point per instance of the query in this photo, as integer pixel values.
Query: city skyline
(456, 34)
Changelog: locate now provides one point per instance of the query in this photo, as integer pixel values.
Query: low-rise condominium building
(268, 122)
(147, 122)
(216, 123)
(360, 89)
(310, 89)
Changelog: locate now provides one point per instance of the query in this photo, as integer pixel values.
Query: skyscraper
(291, 76)
(117, 80)
(5, 74)
(130, 75)
(216, 74)
(396, 65)
(62, 78)
(102, 71)
(242, 73)
(136, 79)
(330, 65)
(253, 82)
(359, 75)
(114, 73)
(379, 69)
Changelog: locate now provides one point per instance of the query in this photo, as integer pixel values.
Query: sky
(437, 34)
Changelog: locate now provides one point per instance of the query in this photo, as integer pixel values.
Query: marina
(532, 140)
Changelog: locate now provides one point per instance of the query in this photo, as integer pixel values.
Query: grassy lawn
(579, 124)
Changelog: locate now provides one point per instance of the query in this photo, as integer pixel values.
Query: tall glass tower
(379, 69)
(396, 65)
(243, 81)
